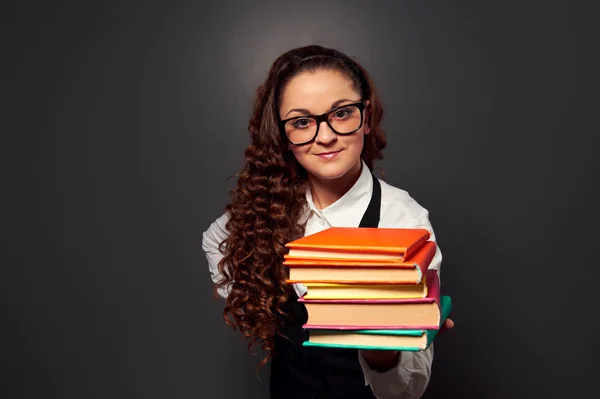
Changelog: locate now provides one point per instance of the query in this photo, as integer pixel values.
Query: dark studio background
(122, 122)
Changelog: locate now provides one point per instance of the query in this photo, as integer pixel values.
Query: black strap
(371, 216)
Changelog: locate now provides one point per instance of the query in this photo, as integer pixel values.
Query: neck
(326, 191)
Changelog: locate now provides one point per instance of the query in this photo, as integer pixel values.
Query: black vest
(300, 372)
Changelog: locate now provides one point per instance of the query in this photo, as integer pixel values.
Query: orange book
(409, 271)
(359, 243)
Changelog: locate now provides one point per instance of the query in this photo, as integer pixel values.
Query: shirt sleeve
(211, 239)
(410, 378)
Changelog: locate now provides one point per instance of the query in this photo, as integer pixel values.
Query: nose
(325, 135)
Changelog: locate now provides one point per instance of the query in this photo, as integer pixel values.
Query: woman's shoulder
(216, 231)
(220, 222)
(395, 195)
(398, 207)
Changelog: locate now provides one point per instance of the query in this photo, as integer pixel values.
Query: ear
(367, 120)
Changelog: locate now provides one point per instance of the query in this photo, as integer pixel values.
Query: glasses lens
(343, 121)
(301, 129)
(346, 119)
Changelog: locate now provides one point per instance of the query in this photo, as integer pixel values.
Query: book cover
(359, 243)
(365, 291)
(368, 290)
(407, 271)
(405, 340)
(389, 314)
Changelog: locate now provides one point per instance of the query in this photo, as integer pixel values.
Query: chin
(331, 171)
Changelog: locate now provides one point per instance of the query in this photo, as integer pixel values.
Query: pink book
(385, 314)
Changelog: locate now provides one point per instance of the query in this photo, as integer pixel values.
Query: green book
(404, 340)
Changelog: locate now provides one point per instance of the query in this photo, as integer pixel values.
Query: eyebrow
(307, 112)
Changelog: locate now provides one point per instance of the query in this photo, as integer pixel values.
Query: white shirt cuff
(408, 379)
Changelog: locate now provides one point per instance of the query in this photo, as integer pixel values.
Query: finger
(448, 323)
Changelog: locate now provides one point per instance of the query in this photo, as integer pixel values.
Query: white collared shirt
(410, 377)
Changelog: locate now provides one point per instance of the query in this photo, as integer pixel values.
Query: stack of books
(369, 288)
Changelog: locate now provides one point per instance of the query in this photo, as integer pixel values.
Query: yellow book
(365, 291)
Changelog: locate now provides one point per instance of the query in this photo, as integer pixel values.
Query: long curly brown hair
(269, 202)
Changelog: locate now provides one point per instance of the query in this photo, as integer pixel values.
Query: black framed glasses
(345, 119)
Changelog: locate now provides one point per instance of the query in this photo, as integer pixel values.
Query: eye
(301, 123)
(342, 113)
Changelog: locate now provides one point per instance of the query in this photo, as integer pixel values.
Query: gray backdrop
(122, 122)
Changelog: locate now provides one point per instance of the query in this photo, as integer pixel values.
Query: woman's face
(330, 156)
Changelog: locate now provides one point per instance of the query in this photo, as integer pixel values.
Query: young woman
(316, 133)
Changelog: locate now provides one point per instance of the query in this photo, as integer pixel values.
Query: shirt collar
(349, 209)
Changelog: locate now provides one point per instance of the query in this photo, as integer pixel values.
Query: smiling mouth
(323, 154)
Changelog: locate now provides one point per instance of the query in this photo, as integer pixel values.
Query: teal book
(404, 340)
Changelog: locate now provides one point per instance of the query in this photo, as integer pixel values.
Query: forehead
(316, 91)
